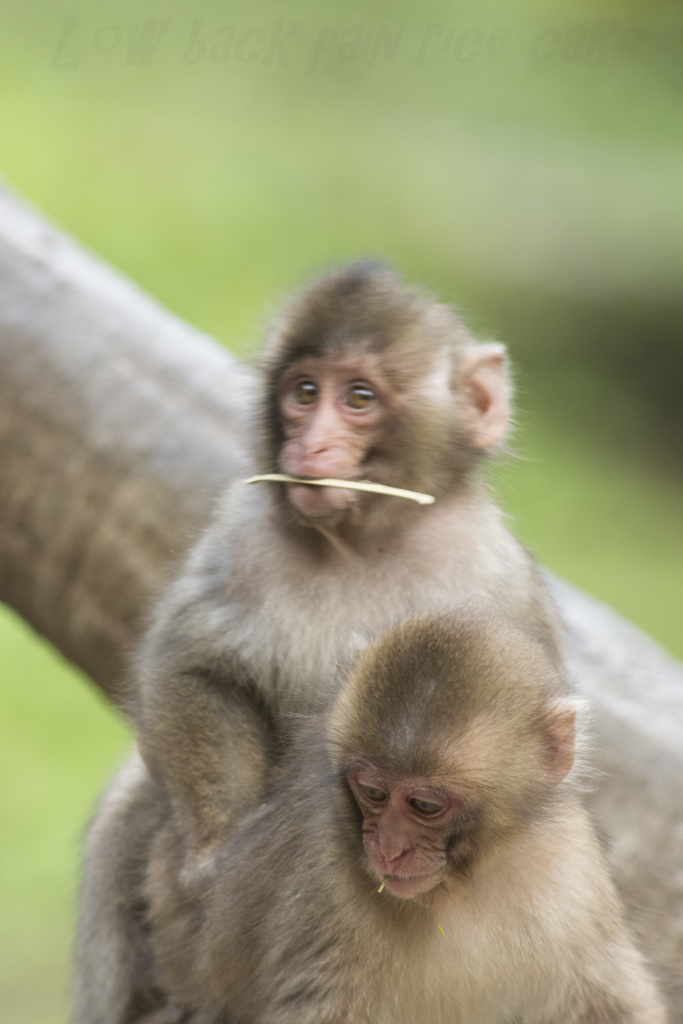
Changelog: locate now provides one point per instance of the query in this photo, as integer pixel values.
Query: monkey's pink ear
(485, 389)
(560, 739)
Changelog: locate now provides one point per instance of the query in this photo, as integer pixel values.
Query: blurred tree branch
(119, 424)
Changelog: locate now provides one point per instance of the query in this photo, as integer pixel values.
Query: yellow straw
(351, 485)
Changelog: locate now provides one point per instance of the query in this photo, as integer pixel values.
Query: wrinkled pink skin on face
(403, 831)
(326, 435)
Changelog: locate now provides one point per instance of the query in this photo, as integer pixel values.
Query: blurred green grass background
(522, 161)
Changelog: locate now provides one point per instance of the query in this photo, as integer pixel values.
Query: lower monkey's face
(405, 824)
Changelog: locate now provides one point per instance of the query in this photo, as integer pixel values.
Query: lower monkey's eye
(425, 807)
(374, 795)
(360, 396)
(305, 392)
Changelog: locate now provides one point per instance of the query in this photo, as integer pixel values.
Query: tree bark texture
(119, 424)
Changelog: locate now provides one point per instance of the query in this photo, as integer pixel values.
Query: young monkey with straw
(377, 410)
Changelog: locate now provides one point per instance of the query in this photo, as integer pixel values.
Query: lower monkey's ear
(560, 738)
(486, 391)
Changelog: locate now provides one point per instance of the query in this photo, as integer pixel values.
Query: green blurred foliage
(523, 161)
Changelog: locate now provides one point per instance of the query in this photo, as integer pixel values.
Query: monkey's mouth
(315, 498)
(407, 886)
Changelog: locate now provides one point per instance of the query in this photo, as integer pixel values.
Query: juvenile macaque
(364, 380)
(423, 858)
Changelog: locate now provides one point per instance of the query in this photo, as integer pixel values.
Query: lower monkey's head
(451, 735)
(366, 379)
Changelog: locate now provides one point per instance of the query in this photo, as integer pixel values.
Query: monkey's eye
(305, 392)
(425, 807)
(374, 795)
(360, 396)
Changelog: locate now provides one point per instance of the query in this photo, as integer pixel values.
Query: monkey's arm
(204, 728)
(210, 746)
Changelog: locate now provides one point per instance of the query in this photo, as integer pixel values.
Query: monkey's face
(333, 413)
(406, 824)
